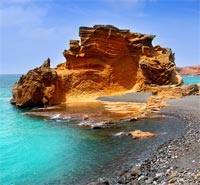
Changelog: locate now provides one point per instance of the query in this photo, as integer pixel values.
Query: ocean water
(191, 79)
(37, 151)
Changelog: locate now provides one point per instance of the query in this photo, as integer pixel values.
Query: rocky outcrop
(138, 134)
(119, 60)
(39, 87)
(105, 61)
(170, 92)
(190, 70)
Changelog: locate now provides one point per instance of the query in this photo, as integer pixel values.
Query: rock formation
(168, 92)
(138, 134)
(105, 61)
(190, 70)
(39, 87)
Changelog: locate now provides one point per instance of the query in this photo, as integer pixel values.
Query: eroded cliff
(105, 61)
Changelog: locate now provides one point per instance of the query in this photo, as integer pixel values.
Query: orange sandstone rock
(138, 134)
(39, 87)
(105, 61)
(170, 92)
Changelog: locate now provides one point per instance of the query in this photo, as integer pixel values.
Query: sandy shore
(174, 162)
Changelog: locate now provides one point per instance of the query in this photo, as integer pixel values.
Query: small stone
(135, 171)
(103, 181)
(155, 183)
(158, 175)
(149, 180)
(188, 174)
(125, 178)
(122, 180)
(197, 176)
(167, 162)
(171, 181)
(168, 171)
(173, 175)
(181, 180)
(141, 177)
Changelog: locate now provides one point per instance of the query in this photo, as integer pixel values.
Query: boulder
(170, 92)
(138, 134)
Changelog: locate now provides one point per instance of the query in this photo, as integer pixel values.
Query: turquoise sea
(37, 151)
(191, 79)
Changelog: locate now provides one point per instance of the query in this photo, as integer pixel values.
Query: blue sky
(33, 30)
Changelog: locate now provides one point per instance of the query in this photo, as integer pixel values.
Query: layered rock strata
(105, 61)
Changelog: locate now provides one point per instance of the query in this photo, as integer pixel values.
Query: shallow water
(36, 151)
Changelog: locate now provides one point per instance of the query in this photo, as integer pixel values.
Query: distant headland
(189, 70)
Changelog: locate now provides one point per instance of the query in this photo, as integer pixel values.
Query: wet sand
(129, 97)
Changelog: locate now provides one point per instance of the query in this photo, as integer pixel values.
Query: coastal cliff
(105, 61)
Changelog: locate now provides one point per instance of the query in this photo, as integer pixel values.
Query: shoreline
(101, 113)
(174, 162)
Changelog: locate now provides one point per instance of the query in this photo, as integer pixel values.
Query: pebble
(173, 175)
(141, 178)
(149, 180)
(168, 171)
(135, 171)
(158, 175)
(171, 181)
